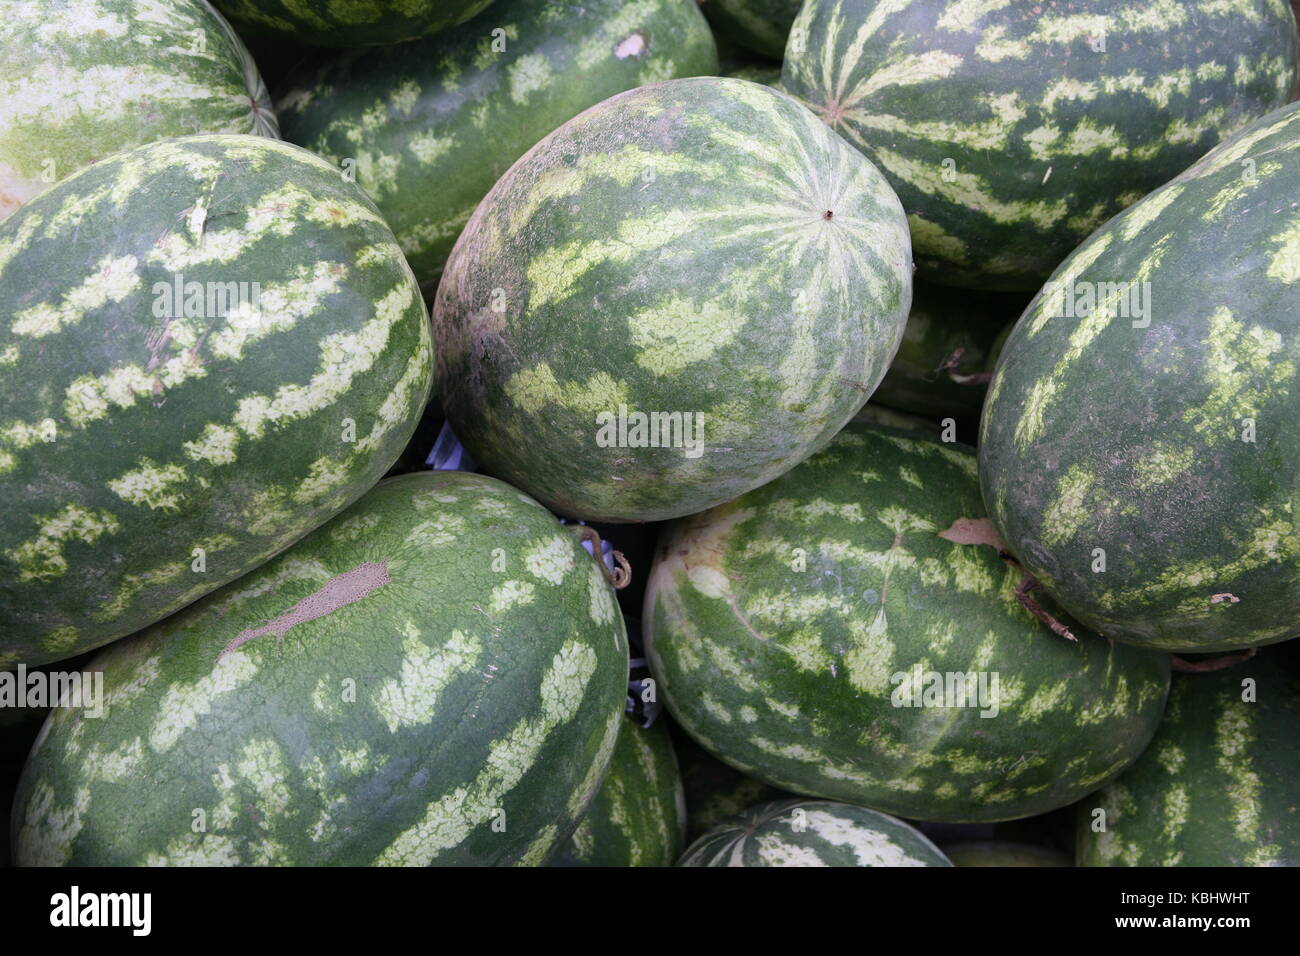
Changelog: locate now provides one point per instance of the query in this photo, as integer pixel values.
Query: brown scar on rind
(1225, 596)
(340, 591)
(974, 531)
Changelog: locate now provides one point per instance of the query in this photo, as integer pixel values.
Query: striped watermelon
(794, 632)
(1187, 481)
(639, 815)
(348, 23)
(434, 677)
(431, 125)
(803, 832)
(152, 450)
(758, 25)
(1012, 130)
(1218, 785)
(1003, 853)
(701, 247)
(942, 365)
(82, 79)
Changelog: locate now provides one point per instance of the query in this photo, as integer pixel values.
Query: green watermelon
(879, 415)
(1013, 130)
(1165, 439)
(812, 634)
(348, 23)
(942, 366)
(1003, 853)
(1218, 786)
(436, 676)
(639, 815)
(758, 25)
(766, 75)
(804, 832)
(189, 380)
(82, 79)
(715, 791)
(430, 126)
(701, 248)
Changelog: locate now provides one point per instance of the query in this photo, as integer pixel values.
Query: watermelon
(436, 676)
(348, 23)
(715, 791)
(1218, 785)
(702, 251)
(849, 631)
(1003, 853)
(943, 363)
(429, 126)
(189, 381)
(879, 415)
(755, 73)
(758, 25)
(638, 817)
(1186, 484)
(1013, 130)
(804, 832)
(82, 79)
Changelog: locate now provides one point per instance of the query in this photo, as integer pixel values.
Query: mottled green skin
(942, 322)
(1220, 783)
(789, 674)
(668, 250)
(1198, 526)
(824, 834)
(83, 79)
(348, 23)
(715, 791)
(432, 125)
(1003, 853)
(462, 704)
(1046, 137)
(639, 815)
(758, 25)
(127, 440)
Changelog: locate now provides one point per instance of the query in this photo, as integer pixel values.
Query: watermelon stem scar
(1028, 584)
(339, 591)
(1185, 666)
(621, 576)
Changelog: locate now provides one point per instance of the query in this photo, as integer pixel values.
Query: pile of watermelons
(600, 433)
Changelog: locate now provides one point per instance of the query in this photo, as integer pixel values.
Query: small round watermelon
(852, 631)
(803, 832)
(1012, 130)
(672, 299)
(435, 677)
(83, 79)
(348, 23)
(1140, 444)
(639, 815)
(714, 791)
(1218, 785)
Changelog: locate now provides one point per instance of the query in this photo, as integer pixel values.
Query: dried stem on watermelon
(621, 576)
(1184, 666)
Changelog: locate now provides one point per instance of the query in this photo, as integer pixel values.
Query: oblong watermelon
(430, 126)
(436, 676)
(701, 248)
(82, 79)
(1140, 455)
(638, 817)
(1218, 785)
(803, 832)
(348, 23)
(1013, 130)
(210, 346)
(758, 25)
(850, 631)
